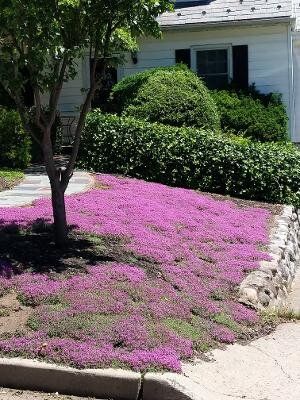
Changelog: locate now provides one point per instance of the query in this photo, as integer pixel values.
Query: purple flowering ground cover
(163, 290)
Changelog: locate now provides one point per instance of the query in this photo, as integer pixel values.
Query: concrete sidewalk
(265, 369)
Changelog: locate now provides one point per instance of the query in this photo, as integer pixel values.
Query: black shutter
(183, 56)
(240, 67)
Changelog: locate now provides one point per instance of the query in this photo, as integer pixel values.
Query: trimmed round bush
(192, 158)
(254, 115)
(15, 145)
(171, 95)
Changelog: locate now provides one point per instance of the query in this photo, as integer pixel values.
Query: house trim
(248, 22)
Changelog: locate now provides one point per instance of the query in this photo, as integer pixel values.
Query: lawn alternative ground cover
(149, 278)
(9, 178)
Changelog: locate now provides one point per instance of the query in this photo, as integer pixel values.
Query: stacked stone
(268, 287)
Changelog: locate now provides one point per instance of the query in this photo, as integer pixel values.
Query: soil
(10, 394)
(13, 315)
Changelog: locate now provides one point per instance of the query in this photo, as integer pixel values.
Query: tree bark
(57, 191)
(59, 213)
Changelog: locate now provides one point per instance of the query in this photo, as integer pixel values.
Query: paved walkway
(36, 185)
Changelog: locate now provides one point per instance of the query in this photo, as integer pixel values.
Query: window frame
(226, 46)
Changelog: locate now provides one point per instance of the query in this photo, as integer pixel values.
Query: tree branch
(67, 174)
(55, 94)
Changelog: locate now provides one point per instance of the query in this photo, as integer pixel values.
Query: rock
(269, 286)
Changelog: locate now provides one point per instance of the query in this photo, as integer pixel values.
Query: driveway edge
(170, 386)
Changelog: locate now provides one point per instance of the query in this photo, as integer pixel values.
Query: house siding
(268, 46)
(269, 60)
(72, 96)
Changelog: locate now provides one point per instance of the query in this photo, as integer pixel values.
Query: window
(213, 65)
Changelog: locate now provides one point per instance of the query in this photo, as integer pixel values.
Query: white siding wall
(270, 65)
(269, 53)
(72, 97)
(296, 113)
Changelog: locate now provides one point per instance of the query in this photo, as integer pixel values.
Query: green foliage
(183, 328)
(9, 178)
(171, 95)
(39, 38)
(42, 45)
(192, 158)
(5, 100)
(88, 323)
(14, 142)
(226, 320)
(251, 114)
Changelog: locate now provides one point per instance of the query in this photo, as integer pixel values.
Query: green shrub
(192, 158)
(14, 142)
(5, 99)
(251, 114)
(171, 95)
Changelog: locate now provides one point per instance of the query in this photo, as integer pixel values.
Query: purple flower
(195, 250)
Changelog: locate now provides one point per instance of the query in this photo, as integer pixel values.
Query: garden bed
(9, 178)
(150, 276)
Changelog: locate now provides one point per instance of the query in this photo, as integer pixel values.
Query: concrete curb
(169, 386)
(17, 373)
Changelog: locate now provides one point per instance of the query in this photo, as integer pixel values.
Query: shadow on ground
(34, 249)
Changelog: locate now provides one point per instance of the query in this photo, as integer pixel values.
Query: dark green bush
(171, 95)
(192, 158)
(252, 114)
(14, 142)
(5, 99)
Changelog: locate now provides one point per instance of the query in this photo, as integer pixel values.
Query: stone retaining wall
(270, 284)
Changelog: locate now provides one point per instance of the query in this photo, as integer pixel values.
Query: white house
(245, 41)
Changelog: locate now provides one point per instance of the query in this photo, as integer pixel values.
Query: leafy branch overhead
(43, 43)
(48, 40)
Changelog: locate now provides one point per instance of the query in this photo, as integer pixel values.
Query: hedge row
(192, 158)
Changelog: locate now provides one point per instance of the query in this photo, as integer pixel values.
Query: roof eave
(253, 21)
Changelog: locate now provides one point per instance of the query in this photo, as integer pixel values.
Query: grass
(149, 277)
(276, 316)
(9, 178)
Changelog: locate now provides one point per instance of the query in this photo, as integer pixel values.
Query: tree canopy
(41, 43)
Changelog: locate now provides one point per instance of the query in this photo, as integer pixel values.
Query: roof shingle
(220, 11)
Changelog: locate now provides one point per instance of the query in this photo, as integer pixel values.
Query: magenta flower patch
(174, 295)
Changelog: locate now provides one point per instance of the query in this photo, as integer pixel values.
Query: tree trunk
(59, 214)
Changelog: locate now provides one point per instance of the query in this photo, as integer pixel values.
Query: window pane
(212, 61)
(212, 66)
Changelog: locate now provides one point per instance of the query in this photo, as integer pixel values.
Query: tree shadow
(33, 249)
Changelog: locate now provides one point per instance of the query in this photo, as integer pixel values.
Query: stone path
(36, 185)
